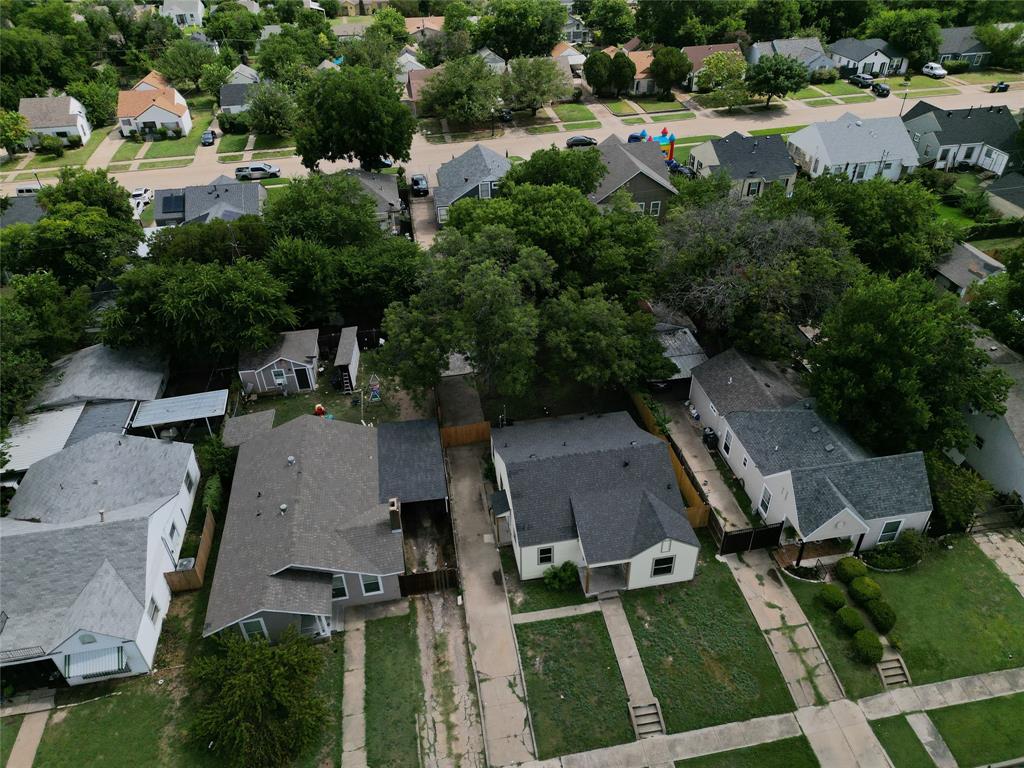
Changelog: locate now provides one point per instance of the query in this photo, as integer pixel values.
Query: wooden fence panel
(465, 434)
(184, 581)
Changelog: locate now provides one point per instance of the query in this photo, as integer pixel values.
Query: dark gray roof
(100, 373)
(459, 175)
(960, 40)
(298, 346)
(551, 462)
(856, 49)
(347, 343)
(994, 126)
(21, 209)
(966, 265)
(624, 161)
(1009, 187)
(736, 383)
(238, 429)
(99, 418)
(754, 157)
(234, 94)
(888, 486)
(1012, 364)
(411, 465)
(806, 50)
(382, 187)
(681, 348)
(615, 524)
(499, 503)
(326, 473)
(47, 111)
(223, 198)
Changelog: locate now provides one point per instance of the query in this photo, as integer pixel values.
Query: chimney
(395, 514)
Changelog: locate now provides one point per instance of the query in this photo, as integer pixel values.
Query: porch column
(800, 554)
(860, 540)
(586, 579)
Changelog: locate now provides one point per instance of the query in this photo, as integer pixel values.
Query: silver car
(257, 171)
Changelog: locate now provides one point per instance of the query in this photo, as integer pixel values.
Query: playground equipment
(666, 140)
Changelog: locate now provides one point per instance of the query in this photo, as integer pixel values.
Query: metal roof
(40, 435)
(171, 410)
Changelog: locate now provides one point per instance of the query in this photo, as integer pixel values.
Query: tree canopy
(669, 68)
(611, 20)
(723, 74)
(517, 28)
(997, 303)
(465, 91)
(531, 83)
(183, 61)
(581, 169)
(776, 75)
(597, 70)
(915, 31)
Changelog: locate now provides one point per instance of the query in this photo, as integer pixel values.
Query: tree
(669, 68)
(56, 318)
(582, 169)
(773, 19)
(98, 98)
(390, 24)
(621, 72)
(465, 91)
(959, 494)
(597, 70)
(258, 703)
(531, 83)
(517, 28)
(182, 63)
(311, 272)
(997, 303)
(217, 241)
(1005, 45)
(375, 275)
(456, 17)
(723, 74)
(611, 20)
(14, 131)
(332, 8)
(689, 22)
(233, 26)
(91, 188)
(897, 366)
(214, 76)
(271, 109)
(292, 48)
(776, 75)
(376, 123)
(33, 63)
(330, 209)
(915, 31)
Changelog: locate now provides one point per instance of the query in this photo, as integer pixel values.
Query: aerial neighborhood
(527, 383)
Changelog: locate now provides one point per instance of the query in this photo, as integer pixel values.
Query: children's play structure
(666, 140)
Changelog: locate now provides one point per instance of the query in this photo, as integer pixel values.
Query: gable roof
(244, 74)
(414, 24)
(154, 79)
(238, 429)
(697, 53)
(417, 78)
(101, 373)
(134, 103)
(234, 94)
(456, 177)
(851, 139)
(632, 44)
(625, 161)
(48, 111)
(857, 49)
(298, 346)
(223, 198)
(382, 187)
(616, 524)
(21, 209)
(681, 348)
(755, 157)
(562, 48)
(735, 383)
(1009, 187)
(960, 40)
(992, 125)
(1012, 364)
(806, 50)
(966, 265)
(641, 60)
(348, 343)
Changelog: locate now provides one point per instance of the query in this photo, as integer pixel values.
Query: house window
(663, 566)
(979, 442)
(87, 639)
(943, 155)
(766, 501)
(859, 173)
(545, 555)
(254, 628)
(815, 168)
(640, 207)
(154, 610)
(744, 461)
(666, 545)
(754, 188)
(339, 589)
(890, 531)
(190, 483)
(174, 535)
(371, 584)
(442, 215)
(988, 152)
(485, 190)
(494, 186)
(280, 377)
(837, 169)
(969, 153)
(727, 443)
(654, 209)
(917, 137)
(887, 165)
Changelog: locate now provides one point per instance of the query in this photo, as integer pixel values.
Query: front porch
(827, 551)
(604, 579)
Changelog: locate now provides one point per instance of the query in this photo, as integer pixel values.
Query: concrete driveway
(424, 225)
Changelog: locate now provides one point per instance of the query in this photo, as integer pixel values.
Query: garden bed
(533, 594)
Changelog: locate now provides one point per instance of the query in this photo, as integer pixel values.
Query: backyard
(787, 753)
(534, 595)
(394, 691)
(705, 657)
(576, 696)
(901, 743)
(983, 732)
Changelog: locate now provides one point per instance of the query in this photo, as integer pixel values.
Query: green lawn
(619, 108)
(127, 151)
(967, 182)
(988, 76)
(658, 105)
(148, 215)
(996, 245)
(983, 732)
(695, 139)
(186, 145)
(820, 103)
(672, 116)
(787, 753)
(533, 595)
(272, 153)
(230, 158)
(154, 164)
(586, 125)
(572, 113)
(804, 93)
(8, 733)
(633, 121)
(577, 699)
(839, 88)
(342, 20)
(924, 94)
(784, 131)
(273, 142)
(394, 691)
(332, 685)
(73, 156)
(858, 679)
(31, 175)
(862, 98)
(916, 82)
(901, 743)
(707, 661)
(232, 142)
(953, 215)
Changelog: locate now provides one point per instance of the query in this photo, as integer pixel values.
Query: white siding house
(60, 116)
(184, 13)
(150, 105)
(867, 57)
(983, 137)
(859, 148)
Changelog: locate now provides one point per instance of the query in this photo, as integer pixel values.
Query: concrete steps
(647, 719)
(893, 671)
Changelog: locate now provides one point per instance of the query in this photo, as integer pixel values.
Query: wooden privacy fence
(430, 581)
(183, 581)
(465, 434)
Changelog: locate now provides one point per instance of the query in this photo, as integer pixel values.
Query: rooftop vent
(829, 448)
(291, 461)
(283, 508)
(815, 430)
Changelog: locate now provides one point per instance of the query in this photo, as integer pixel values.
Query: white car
(934, 70)
(142, 195)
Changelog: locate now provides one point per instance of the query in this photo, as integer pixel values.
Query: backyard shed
(346, 361)
(289, 365)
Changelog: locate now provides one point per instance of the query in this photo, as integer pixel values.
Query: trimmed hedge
(850, 568)
(867, 646)
(864, 589)
(882, 615)
(906, 551)
(850, 619)
(832, 597)
(956, 66)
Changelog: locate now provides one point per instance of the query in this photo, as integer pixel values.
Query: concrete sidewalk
(23, 753)
(1007, 552)
(932, 740)
(565, 612)
(963, 690)
(840, 736)
(634, 676)
(353, 715)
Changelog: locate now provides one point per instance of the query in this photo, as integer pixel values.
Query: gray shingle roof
(347, 343)
(238, 429)
(736, 383)
(47, 111)
(244, 74)
(755, 157)
(681, 348)
(966, 265)
(960, 40)
(806, 50)
(457, 177)
(1009, 187)
(99, 418)
(1012, 364)
(234, 94)
(994, 126)
(334, 520)
(290, 345)
(382, 187)
(851, 139)
(223, 198)
(551, 462)
(102, 373)
(856, 49)
(411, 465)
(21, 209)
(624, 161)
(618, 523)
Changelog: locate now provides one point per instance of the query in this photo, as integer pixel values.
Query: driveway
(424, 225)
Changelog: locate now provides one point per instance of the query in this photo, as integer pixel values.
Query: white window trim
(173, 534)
(362, 584)
(284, 375)
(655, 208)
(344, 585)
(761, 505)
(727, 442)
(895, 536)
(654, 565)
(485, 190)
(263, 627)
(541, 550)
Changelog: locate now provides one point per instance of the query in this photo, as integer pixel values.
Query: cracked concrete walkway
(1007, 552)
(962, 690)
(634, 676)
(353, 716)
(932, 740)
(565, 612)
(840, 736)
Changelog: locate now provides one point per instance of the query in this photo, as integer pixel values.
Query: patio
(603, 579)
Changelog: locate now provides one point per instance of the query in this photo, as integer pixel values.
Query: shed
(289, 365)
(346, 361)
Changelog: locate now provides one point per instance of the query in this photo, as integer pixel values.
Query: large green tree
(330, 209)
(532, 83)
(776, 75)
(621, 73)
(517, 28)
(898, 367)
(183, 61)
(611, 20)
(1005, 44)
(597, 70)
(98, 98)
(281, 54)
(272, 109)
(14, 131)
(581, 169)
(690, 22)
(669, 69)
(232, 25)
(959, 494)
(390, 24)
(466, 91)
(998, 302)
(376, 123)
(723, 74)
(915, 31)
(773, 19)
(92, 188)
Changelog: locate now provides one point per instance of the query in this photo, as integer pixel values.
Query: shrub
(832, 597)
(907, 550)
(864, 589)
(213, 495)
(956, 66)
(829, 75)
(215, 458)
(975, 204)
(233, 123)
(162, 132)
(850, 619)
(561, 578)
(937, 181)
(850, 568)
(867, 646)
(882, 615)
(51, 145)
(74, 142)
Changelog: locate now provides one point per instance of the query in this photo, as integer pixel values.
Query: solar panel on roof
(174, 204)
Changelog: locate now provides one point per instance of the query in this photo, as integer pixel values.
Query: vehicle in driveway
(881, 90)
(934, 70)
(861, 80)
(142, 195)
(580, 141)
(419, 185)
(208, 138)
(635, 138)
(257, 171)
(376, 165)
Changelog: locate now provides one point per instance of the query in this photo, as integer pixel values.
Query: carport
(185, 408)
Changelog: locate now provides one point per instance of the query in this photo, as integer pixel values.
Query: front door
(302, 376)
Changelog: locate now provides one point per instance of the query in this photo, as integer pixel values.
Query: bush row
(906, 551)
(866, 593)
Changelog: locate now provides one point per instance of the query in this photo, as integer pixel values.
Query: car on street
(257, 171)
(881, 90)
(580, 141)
(635, 138)
(208, 138)
(376, 165)
(934, 70)
(419, 185)
(861, 80)
(143, 195)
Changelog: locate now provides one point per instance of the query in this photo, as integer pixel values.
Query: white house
(564, 50)
(184, 13)
(243, 75)
(596, 491)
(91, 532)
(287, 366)
(860, 148)
(869, 56)
(575, 30)
(60, 116)
(983, 137)
(492, 60)
(152, 104)
(799, 469)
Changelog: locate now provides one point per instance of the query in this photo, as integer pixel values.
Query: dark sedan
(881, 90)
(419, 185)
(580, 141)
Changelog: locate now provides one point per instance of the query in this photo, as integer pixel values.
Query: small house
(643, 82)
(477, 172)
(751, 162)
(244, 74)
(223, 198)
(961, 43)
(184, 13)
(406, 63)
(234, 97)
(872, 56)
(60, 116)
(383, 190)
(982, 137)
(640, 169)
(858, 148)
(964, 266)
(564, 50)
(152, 104)
(806, 50)
(421, 28)
(576, 31)
(494, 62)
(288, 366)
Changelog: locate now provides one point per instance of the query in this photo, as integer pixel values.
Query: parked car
(635, 138)
(1000, 87)
(505, 115)
(376, 165)
(861, 80)
(257, 171)
(208, 138)
(419, 185)
(881, 90)
(142, 195)
(934, 70)
(580, 141)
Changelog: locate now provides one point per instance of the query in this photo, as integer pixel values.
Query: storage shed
(289, 366)
(346, 361)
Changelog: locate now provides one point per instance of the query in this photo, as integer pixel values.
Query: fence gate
(431, 581)
(744, 539)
